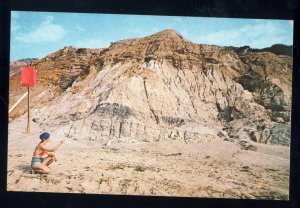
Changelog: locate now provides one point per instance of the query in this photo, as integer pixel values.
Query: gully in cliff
(39, 163)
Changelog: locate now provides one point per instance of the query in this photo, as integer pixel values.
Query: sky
(37, 34)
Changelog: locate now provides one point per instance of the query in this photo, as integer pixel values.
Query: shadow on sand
(24, 168)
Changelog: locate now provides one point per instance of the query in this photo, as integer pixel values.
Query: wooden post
(28, 113)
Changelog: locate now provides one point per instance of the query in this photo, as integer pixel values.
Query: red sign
(28, 76)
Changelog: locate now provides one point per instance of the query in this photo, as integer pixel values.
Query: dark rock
(277, 104)
(173, 120)
(280, 134)
(113, 110)
(280, 116)
(253, 136)
(229, 113)
(67, 82)
(148, 58)
(247, 146)
(249, 82)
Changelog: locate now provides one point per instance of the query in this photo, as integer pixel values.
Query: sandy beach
(212, 168)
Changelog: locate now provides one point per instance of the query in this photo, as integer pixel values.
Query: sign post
(28, 79)
(28, 112)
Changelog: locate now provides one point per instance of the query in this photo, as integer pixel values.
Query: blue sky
(37, 34)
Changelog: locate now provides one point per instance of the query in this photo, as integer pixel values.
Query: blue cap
(44, 136)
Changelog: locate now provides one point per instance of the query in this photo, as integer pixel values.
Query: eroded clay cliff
(162, 87)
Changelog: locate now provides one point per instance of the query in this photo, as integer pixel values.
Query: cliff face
(163, 87)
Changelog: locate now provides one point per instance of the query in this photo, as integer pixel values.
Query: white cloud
(90, 43)
(47, 31)
(79, 27)
(260, 34)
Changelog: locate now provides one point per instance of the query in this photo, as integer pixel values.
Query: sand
(214, 168)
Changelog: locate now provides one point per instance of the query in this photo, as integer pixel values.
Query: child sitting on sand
(39, 164)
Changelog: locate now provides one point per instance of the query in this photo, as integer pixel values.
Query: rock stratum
(162, 86)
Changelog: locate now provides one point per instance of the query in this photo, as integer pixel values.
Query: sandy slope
(213, 168)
